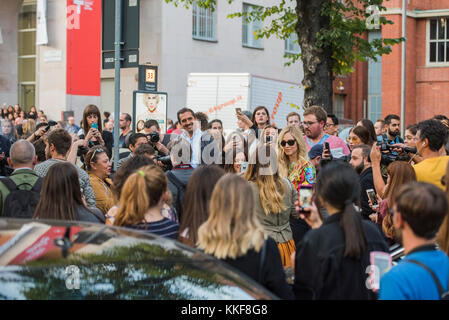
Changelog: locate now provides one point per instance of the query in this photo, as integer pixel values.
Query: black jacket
(322, 272)
(366, 182)
(272, 275)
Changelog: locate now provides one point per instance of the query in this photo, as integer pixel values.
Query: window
(203, 23)
(291, 44)
(250, 27)
(339, 105)
(27, 54)
(438, 49)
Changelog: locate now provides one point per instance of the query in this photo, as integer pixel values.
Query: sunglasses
(99, 150)
(290, 143)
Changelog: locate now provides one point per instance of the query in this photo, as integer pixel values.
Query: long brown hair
(400, 173)
(61, 193)
(142, 191)
(196, 199)
(232, 227)
(443, 233)
(88, 110)
(262, 170)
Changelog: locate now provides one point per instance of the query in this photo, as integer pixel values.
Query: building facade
(374, 89)
(66, 74)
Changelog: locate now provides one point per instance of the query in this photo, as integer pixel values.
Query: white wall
(9, 19)
(181, 54)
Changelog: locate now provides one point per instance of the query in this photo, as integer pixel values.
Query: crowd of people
(242, 197)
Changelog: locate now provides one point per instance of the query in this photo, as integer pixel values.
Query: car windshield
(110, 263)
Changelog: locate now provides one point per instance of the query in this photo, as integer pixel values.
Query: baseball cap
(247, 113)
(315, 151)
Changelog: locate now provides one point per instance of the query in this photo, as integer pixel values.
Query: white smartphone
(372, 196)
(382, 260)
(243, 166)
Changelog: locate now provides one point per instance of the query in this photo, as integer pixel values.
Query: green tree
(331, 35)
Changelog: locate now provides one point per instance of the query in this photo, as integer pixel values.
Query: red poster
(84, 47)
(43, 245)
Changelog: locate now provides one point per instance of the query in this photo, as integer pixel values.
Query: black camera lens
(154, 137)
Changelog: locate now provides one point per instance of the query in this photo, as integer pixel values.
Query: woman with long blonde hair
(141, 201)
(274, 199)
(294, 164)
(234, 234)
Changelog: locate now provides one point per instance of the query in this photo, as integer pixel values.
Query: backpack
(21, 203)
(444, 295)
(181, 187)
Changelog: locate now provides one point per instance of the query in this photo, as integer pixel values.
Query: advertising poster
(150, 105)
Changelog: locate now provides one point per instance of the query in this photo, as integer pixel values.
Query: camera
(50, 124)
(153, 137)
(389, 155)
(166, 161)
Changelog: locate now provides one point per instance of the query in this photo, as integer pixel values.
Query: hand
(80, 143)
(99, 138)
(230, 146)
(40, 132)
(375, 155)
(310, 215)
(373, 217)
(90, 134)
(326, 154)
(244, 119)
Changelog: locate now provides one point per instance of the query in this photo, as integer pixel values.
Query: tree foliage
(344, 36)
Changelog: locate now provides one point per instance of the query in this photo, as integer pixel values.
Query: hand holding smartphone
(373, 198)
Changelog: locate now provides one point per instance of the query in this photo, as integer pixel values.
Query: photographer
(158, 140)
(179, 175)
(135, 140)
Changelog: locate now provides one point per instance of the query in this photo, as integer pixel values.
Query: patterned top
(42, 168)
(164, 228)
(302, 173)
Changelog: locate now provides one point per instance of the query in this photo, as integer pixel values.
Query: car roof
(36, 247)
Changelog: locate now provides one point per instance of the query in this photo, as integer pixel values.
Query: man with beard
(125, 126)
(315, 118)
(202, 153)
(393, 126)
(57, 147)
(361, 163)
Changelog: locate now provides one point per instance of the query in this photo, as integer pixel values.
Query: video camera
(389, 155)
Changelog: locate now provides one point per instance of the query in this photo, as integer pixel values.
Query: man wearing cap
(315, 154)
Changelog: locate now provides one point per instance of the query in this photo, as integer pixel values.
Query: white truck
(218, 94)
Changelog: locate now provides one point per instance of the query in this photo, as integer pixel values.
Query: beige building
(178, 40)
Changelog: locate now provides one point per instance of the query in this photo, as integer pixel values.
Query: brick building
(374, 89)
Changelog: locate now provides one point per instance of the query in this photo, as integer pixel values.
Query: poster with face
(150, 105)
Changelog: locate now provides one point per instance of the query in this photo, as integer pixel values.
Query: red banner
(84, 47)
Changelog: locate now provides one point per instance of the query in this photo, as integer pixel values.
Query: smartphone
(305, 196)
(243, 166)
(372, 196)
(94, 125)
(326, 146)
(268, 138)
(382, 261)
(238, 110)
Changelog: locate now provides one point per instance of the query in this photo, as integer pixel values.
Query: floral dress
(302, 173)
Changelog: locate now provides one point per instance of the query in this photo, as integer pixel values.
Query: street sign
(129, 33)
(147, 78)
(130, 59)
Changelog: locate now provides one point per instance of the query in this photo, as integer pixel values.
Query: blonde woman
(274, 199)
(141, 201)
(293, 159)
(294, 164)
(233, 234)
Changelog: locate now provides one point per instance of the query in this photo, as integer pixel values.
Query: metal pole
(117, 43)
(403, 64)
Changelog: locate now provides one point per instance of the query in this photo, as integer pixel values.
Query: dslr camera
(153, 137)
(166, 161)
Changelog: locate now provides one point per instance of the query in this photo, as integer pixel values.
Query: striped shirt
(164, 228)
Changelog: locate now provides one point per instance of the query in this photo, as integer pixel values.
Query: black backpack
(21, 203)
(181, 187)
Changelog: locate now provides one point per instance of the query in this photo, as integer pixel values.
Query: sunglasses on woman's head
(290, 142)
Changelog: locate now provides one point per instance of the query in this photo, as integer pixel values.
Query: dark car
(42, 259)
